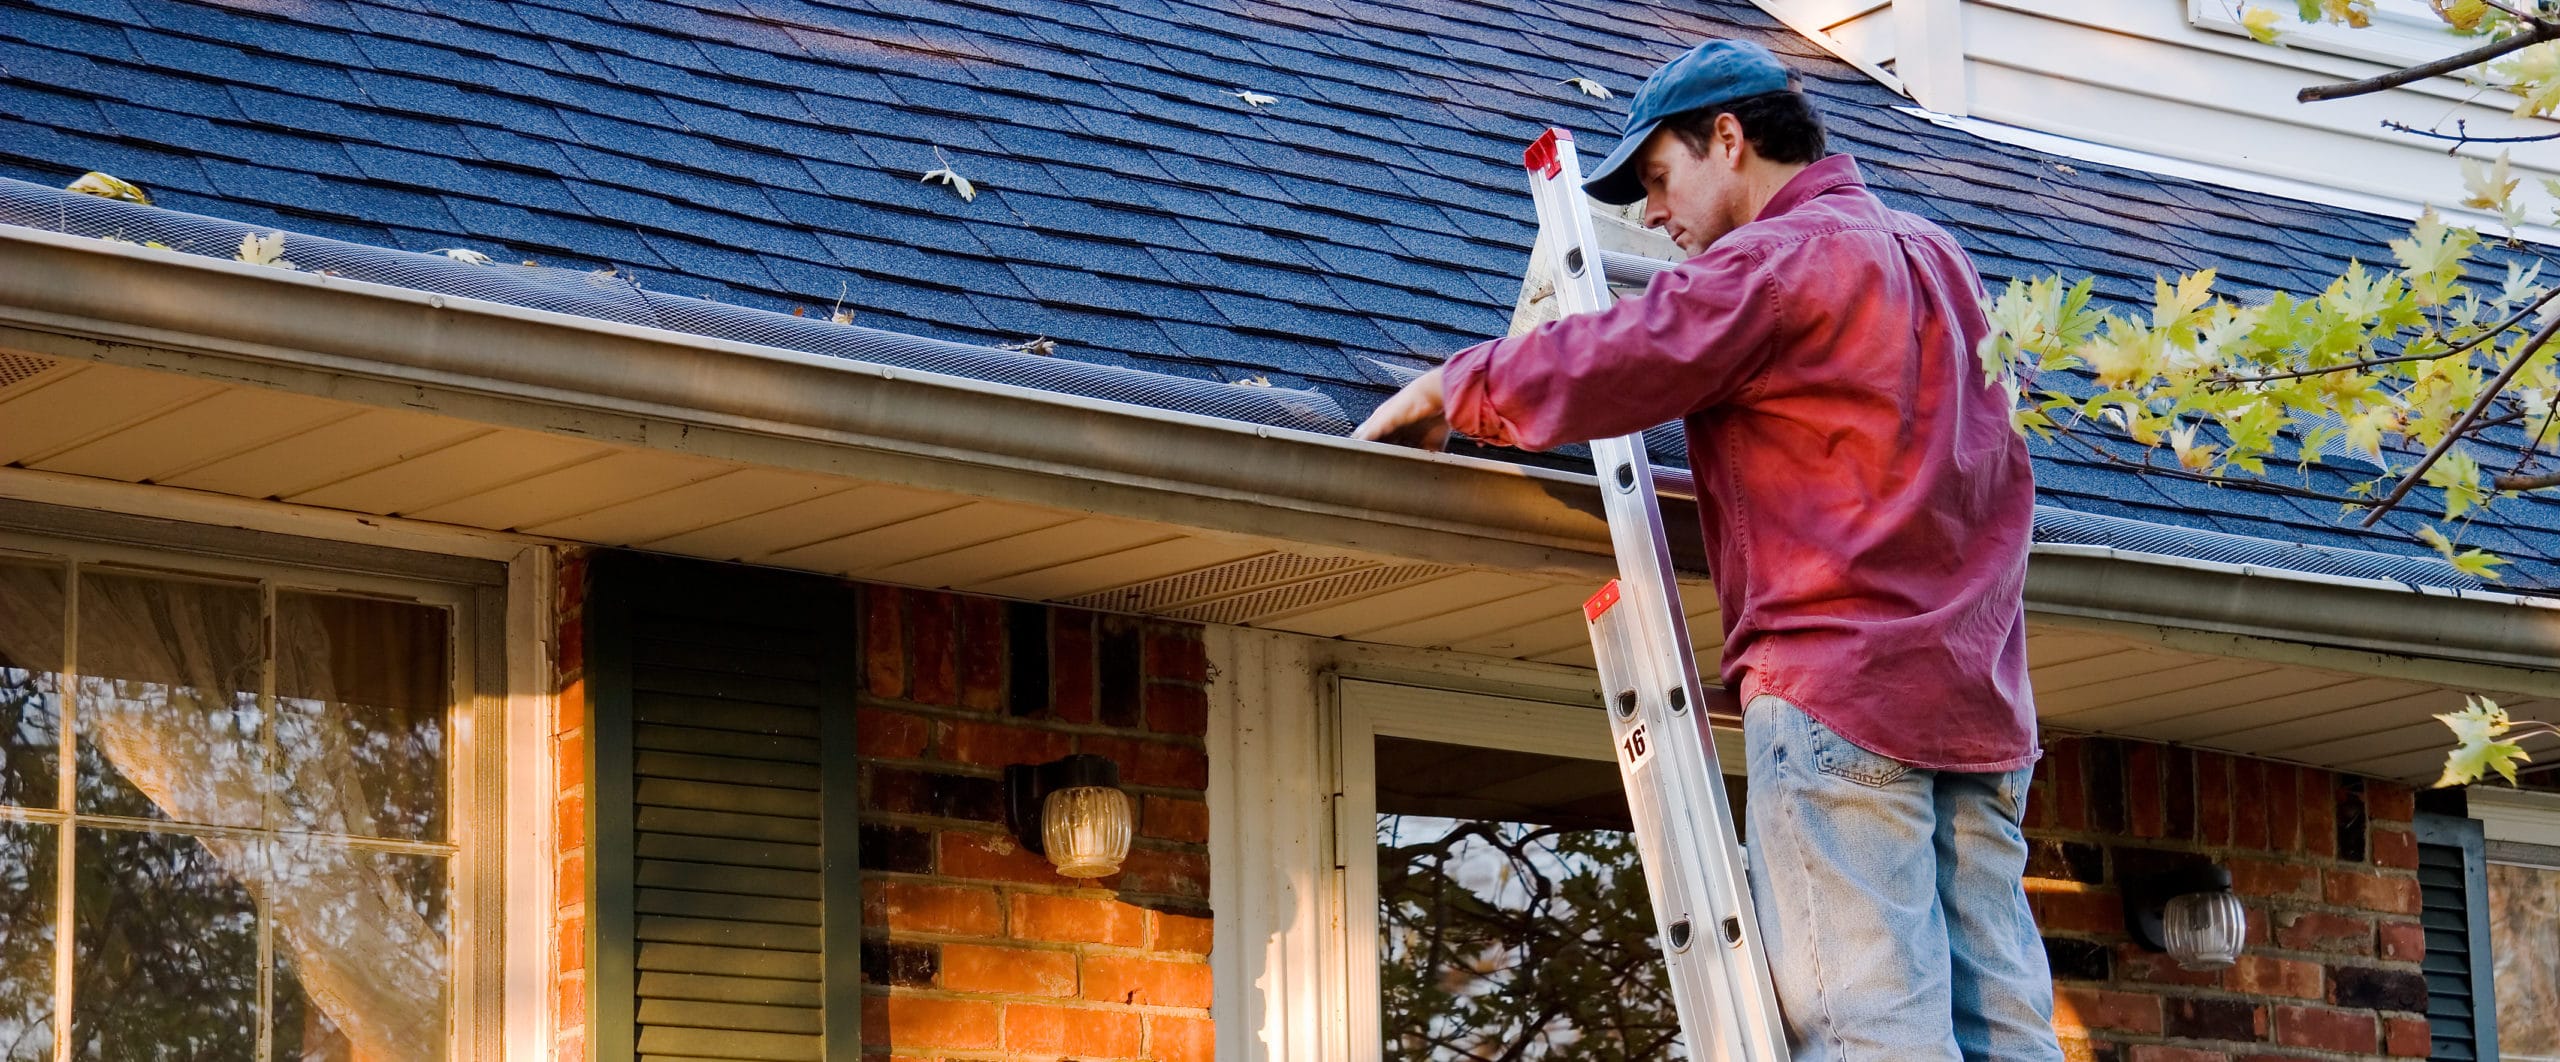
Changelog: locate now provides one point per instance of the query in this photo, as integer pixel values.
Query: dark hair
(1780, 125)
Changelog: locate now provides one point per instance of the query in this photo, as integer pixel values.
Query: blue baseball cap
(1711, 73)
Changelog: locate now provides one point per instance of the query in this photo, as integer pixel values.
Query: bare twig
(2463, 424)
(2536, 481)
(2147, 469)
(2462, 135)
(2542, 31)
(2458, 348)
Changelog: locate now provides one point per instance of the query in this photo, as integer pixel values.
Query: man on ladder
(1867, 513)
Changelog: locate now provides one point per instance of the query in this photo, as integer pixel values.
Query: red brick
(2079, 1049)
(569, 758)
(2070, 785)
(2249, 803)
(1167, 873)
(2351, 1032)
(569, 813)
(2261, 877)
(1176, 653)
(2407, 1037)
(998, 744)
(2284, 809)
(2144, 801)
(1146, 982)
(569, 646)
(569, 878)
(2372, 892)
(2395, 849)
(1034, 1030)
(2139, 966)
(2077, 912)
(2319, 931)
(982, 653)
(2094, 1008)
(2040, 798)
(1180, 710)
(2166, 1053)
(2405, 941)
(2389, 802)
(1189, 934)
(993, 857)
(1154, 763)
(884, 645)
(2319, 812)
(1175, 1039)
(1071, 667)
(933, 635)
(2213, 798)
(1174, 819)
(890, 735)
(570, 592)
(569, 1001)
(1008, 971)
(569, 945)
(1076, 920)
(913, 907)
(918, 1021)
(2267, 975)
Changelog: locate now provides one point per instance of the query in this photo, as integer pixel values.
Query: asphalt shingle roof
(1131, 206)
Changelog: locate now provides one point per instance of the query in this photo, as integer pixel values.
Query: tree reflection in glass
(167, 952)
(359, 972)
(168, 716)
(31, 602)
(26, 941)
(360, 704)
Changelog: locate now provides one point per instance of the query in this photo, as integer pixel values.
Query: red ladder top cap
(1541, 156)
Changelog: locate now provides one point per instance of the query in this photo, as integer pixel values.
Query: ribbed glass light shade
(2204, 930)
(1086, 830)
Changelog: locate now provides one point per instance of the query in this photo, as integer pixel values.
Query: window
(231, 812)
(1500, 911)
(2522, 850)
(2403, 32)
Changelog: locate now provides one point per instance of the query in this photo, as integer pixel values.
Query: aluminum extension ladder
(1656, 705)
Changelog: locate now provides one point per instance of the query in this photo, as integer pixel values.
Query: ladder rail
(1657, 706)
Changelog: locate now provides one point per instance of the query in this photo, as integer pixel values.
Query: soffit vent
(1260, 587)
(16, 369)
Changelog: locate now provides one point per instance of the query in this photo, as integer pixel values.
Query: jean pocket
(1839, 757)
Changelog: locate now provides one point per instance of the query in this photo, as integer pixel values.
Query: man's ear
(1730, 137)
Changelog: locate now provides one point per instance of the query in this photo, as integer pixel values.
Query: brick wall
(976, 948)
(569, 818)
(2325, 862)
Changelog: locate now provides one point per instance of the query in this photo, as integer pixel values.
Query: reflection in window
(2524, 949)
(1513, 917)
(257, 824)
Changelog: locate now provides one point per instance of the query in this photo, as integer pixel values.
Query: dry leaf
(464, 255)
(1042, 346)
(968, 192)
(106, 187)
(1589, 87)
(264, 250)
(1254, 381)
(1253, 98)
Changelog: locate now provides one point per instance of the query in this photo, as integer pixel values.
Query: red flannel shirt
(1867, 507)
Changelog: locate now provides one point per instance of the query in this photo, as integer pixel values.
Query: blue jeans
(1892, 901)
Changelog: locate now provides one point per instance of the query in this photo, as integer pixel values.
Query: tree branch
(2465, 346)
(2536, 481)
(2462, 135)
(2542, 31)
(2454, 433)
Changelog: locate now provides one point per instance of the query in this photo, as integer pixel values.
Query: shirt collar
(1831, 172)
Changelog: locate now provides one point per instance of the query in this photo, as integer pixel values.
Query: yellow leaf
(264, 250)
(2261, 23)
(2464, 15)
(2477, 750)
(105, 186)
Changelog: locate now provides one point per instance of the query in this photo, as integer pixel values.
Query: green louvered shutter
(727, 898)
(2462, 1018)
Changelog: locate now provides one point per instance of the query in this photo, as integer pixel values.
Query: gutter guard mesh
(2066, 527)
(608, 296)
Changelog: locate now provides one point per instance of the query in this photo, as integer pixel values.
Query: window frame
(2519, 828)
(1367, 709)
(474, 594)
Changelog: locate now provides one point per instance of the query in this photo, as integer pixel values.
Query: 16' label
(1636, 747)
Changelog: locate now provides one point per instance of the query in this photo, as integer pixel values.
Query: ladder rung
(1631, 270)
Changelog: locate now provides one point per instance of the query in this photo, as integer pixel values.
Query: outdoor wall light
(2190, 913)
(1072, 811)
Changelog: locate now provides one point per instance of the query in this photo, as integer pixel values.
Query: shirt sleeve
(1697, 335)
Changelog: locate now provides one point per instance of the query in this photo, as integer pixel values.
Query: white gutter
(72, 296)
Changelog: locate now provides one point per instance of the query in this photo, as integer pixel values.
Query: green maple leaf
(2534, 74)
(2477, 749)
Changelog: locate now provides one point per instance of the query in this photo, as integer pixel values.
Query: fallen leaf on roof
(1254, 381)
(107, 187)
(1589, 87)
(1254, 98)
(465, 255)
(264, 250)
(1042, 346)
(947, 175)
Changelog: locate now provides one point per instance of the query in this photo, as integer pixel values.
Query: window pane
(361, 954)
(362, 692)
(26, 941)
(30, 685)
(2524, 945)
(1513, 917)
(167, 949)
(168, 715)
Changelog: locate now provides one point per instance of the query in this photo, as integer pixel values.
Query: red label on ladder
(1600, 602)
(1541, 156)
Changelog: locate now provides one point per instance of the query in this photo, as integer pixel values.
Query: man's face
(1691, 196)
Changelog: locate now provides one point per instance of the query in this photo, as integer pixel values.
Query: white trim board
(2516, 815)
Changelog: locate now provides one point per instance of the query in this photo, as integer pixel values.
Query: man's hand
(1411, 417)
